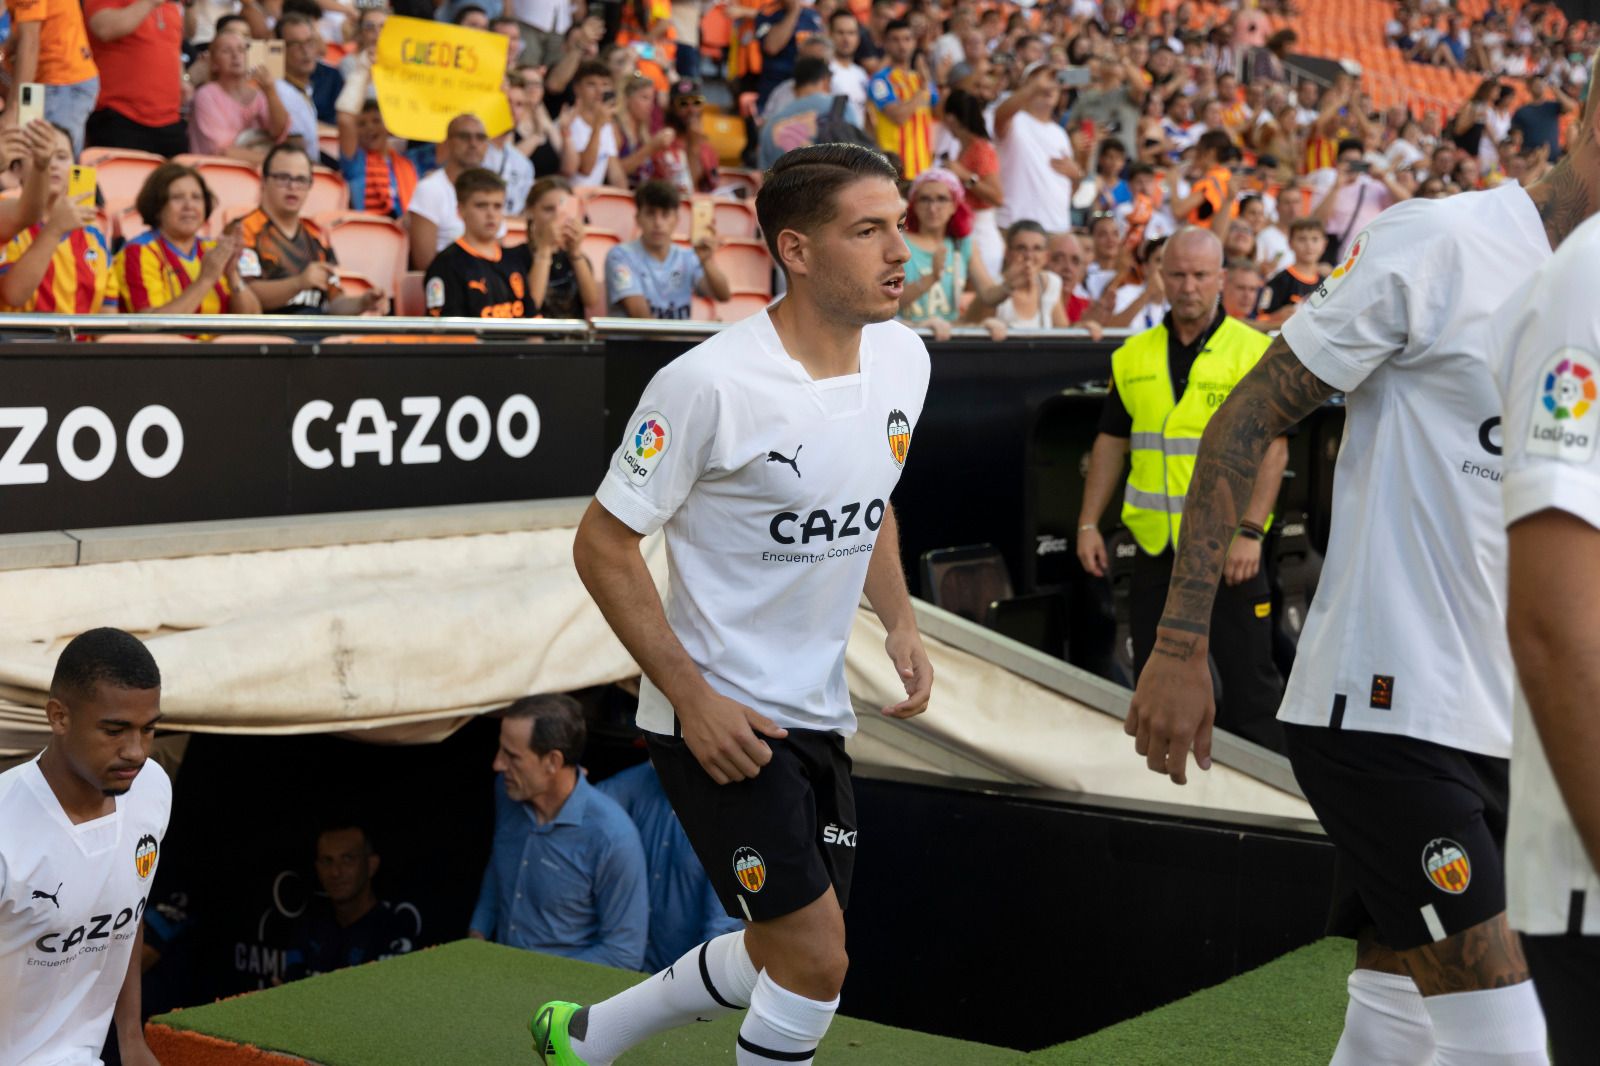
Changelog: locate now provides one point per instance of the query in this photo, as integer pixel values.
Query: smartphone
(1360, 166)
(702, 220)
(267, 54)
(80, 187)
(569, 210)
(1073, 77)
(30, 103)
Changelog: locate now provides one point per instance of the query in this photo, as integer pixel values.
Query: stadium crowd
(1047, 152)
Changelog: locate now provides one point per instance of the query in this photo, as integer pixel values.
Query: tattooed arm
(1172, 709)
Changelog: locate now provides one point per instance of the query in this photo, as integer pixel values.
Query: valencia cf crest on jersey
(899, 437)
(144, 856)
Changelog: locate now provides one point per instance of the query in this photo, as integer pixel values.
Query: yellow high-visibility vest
(1167, 428)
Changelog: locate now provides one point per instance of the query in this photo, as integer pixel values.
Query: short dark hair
(967, 112)
(841, 13)
(1218, 143)
(800, 192)
(464, 10)
(1350, 144)
(1306, 225)
(1139, 170)
(227, 20)
(1242, 264)
(294, 18)
(286, 148)
(372, 105)
(1021, 226)
(153, 193)
(556, 724)
(809, 70)
(657, 195)
(339, 821)
(591, 68)
(1246, 201)
(309, 8)
(897, 24)
(109, 655)
(545, 186)
(476, 180)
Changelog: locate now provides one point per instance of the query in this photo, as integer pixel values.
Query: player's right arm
(1172, 708)
(722, 733)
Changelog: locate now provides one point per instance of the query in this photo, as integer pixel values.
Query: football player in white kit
(1398, 710)
(1551, 385)
(767, 456)
(80, 836)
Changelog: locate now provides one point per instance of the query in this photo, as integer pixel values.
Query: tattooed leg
(1488, 955)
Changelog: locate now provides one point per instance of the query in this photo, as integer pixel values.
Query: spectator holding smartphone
(653, 278)
(589, 136)
(1360, 191)
(50, 45)
(237, 113)
(561, 280)
(60, 263)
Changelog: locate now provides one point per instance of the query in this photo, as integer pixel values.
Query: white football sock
(1386, 1023)
(1489, 1027)
(781, 1026)
(712, 980)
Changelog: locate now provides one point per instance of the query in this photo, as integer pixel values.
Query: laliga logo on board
(1445, 863)
(750, 868)
(144, 856)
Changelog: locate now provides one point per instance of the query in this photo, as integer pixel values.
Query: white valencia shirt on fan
(771, 488)
(1550, 379)
(1406, 634)
(71, 899)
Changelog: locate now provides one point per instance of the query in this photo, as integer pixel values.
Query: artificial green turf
(469, 1003)
(1286, 1013)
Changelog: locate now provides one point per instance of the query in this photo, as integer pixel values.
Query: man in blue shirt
(653, 278)
(566, 875)
(780, 28)
(684, 909)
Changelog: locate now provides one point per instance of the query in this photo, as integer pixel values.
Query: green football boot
(549, 1029)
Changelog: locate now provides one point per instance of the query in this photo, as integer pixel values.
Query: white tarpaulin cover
(399, 641)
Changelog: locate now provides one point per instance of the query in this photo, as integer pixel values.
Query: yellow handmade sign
(426, 73)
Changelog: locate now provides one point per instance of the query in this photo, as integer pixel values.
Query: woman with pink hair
(942, 266)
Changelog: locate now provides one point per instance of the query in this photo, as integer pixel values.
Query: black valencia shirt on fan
(464, 283)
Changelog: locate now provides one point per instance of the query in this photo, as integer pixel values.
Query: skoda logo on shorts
(750, 868)
(1445, 863)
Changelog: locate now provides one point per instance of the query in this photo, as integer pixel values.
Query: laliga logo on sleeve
(1564, 408)
(650, 440)
(1340, 272)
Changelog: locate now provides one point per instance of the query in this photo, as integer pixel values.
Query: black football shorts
(1419, 831)
(771, 844)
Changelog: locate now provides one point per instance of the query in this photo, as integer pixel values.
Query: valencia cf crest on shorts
(899, 437)
(1445, 862)
(750, 868)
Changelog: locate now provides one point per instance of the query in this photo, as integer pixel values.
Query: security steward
(1167, 382)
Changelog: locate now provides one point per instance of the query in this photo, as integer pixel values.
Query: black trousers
(1566, 972)
(112, 129)
(1241, 647)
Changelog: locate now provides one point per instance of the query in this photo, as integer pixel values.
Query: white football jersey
(71, 899)
(1550, 378)
(1406, 634)
(771, 487)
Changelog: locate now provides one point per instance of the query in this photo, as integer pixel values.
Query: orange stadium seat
(410, 302)
(516, 232)
(355, 283)
(749, 180)
(702, 309)
(232, 182)
(328, 193)
(120, 174)
(741, 305)
(734, 218)
(748, 266)
(372, 245)
(127, 224)
(596, 243)
(610, 209)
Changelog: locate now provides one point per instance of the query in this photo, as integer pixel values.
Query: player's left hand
(1244, 561)
(916, 672)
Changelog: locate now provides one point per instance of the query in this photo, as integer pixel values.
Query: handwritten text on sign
(428, 72)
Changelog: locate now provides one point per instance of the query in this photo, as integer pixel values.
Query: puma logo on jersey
(776, 457)
(51, 896)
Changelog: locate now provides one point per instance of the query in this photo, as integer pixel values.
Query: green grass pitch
(469, 1002)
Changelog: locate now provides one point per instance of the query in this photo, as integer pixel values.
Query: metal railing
(74, 327)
